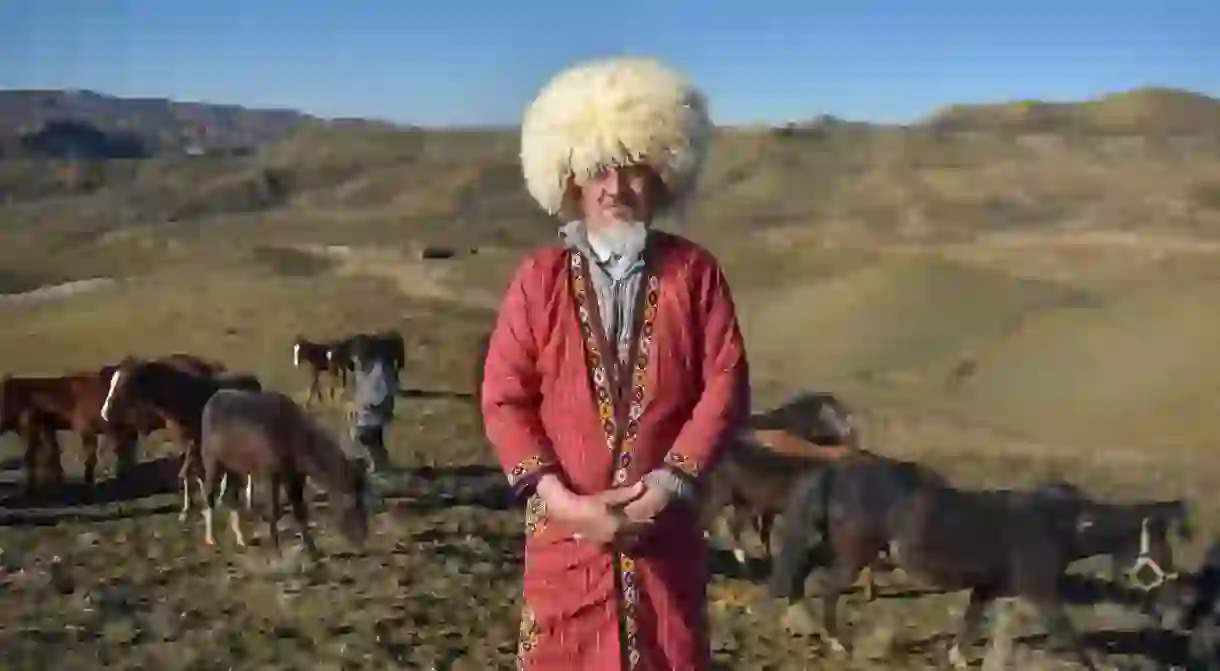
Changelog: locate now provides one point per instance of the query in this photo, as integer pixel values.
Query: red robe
(553, 399)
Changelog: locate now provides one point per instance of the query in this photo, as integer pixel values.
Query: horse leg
(766, 523)
(967, 632)
(52, 460)
(235, 514)
(735, 524)
(1059, 627)
(314, 388)
(274, 519)
(870, 585)
(712, 504)
(33, 441)
(126, 444)
(296, 498)
(842, 575)
(90, 443)
(184, 475)
(210, 486)
(250, 492)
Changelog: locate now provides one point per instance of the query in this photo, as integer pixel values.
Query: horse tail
(806, 525)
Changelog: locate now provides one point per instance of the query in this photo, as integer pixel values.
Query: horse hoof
(837, 646)
(957, 659)
(181, 517)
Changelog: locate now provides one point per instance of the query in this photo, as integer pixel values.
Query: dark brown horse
(993, 543)
(176, 397)
(267, 435)
(321, 358)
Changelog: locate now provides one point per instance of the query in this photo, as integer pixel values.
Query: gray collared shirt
(616, 280)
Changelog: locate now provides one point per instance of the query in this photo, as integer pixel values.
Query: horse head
(126, 381)
(1137, 535)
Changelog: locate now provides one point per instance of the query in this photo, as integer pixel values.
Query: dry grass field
(1009, 293)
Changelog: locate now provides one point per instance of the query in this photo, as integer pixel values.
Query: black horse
(993, 543)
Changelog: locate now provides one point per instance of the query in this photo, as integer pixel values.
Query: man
(372, 406)
(614, 375)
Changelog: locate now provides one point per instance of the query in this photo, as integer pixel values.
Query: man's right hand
(593, 517)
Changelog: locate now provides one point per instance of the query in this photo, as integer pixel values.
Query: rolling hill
(980, 262)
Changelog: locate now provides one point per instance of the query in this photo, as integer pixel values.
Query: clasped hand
(614, 517)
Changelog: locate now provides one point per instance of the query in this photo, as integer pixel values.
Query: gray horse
(267, 435)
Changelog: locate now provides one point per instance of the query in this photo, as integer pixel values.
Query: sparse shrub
(290, 262)
(1206, 195)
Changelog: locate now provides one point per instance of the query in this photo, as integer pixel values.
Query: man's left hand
(648, 505)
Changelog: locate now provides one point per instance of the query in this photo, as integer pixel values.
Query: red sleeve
(725, 399)
(511, 392)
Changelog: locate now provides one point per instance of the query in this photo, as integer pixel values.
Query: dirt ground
(124, 585)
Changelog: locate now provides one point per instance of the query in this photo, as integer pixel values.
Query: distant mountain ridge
(55, 122)
(1141, 111)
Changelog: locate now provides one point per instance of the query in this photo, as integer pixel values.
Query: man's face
(618, 196)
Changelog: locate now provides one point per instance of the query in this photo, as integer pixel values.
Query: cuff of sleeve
(670, 480)
(683, 466)
(523, 479)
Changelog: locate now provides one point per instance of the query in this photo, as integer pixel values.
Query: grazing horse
(177, 397)
(993, 543)
(267, 435)
(768, 456)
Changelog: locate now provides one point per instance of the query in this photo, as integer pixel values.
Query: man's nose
(613, 182)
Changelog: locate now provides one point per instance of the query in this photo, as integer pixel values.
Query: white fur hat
(616, 111)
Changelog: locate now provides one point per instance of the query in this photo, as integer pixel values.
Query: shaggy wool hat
(614, 112)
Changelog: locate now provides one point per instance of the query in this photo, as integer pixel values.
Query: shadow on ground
(74, 500)
(436, 394)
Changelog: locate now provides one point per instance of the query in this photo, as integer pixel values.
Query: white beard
(624, 238)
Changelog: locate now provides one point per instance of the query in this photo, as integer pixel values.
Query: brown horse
(176, 397)
(37, 407)
(267, 435)
(40, 406)
(20, 415)
(768, 456)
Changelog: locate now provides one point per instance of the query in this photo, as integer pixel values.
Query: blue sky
(446, 62)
